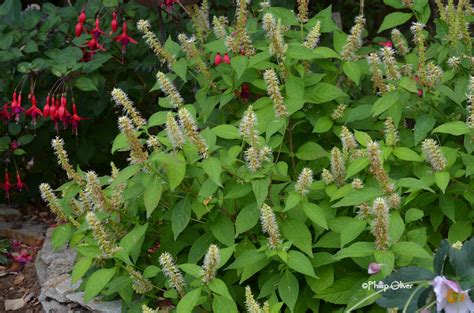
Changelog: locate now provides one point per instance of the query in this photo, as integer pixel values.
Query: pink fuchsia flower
(388, 44)
(374, 268)
(450, 296)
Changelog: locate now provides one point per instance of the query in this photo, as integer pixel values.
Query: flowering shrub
(289, 164)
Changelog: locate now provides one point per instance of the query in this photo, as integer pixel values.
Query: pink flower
(373, 268)
(450, 296)
(386, 44)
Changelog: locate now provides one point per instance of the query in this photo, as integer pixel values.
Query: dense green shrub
(348, 154)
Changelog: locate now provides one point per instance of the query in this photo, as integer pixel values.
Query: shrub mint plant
(287, 165)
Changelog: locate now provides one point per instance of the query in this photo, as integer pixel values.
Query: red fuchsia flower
(63, 114)
(82, 17)
(388, 44)
(53, 113)
(7, 186)
(33, 111)
(14, 145)
(114, 23)
(75, 119)
(96, 32)
(450, 297)
(19, 184)
(218, 59)
(5, 114)
(124, 39)
(245, 92)
(168, 4)
(93, 45)
(79, 28)
(46, 106)
(226, 58)
(374, 268)
(420, 93)
(15, 107)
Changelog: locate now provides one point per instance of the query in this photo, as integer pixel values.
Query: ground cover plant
(288, 165)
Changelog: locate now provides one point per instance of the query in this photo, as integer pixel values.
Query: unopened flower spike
(391, 132)
(327, 177)
(251, 304)
(219, 25)
(274, 31)
(137, 153)
(357, 184)
(380, 224)
(172, 273)
(140, 284)
(50, 198)
(96, 193)
(305, 179)
(103, 241)
(303, 10)
(348, 140)
(374, 155)
(121, 99)
(339, 112)
(470, 106)
(211, 262)
(248, 126)
(270, 226)
(152, 41)
(147, 309)
(314, 34)
(189, 47)
(434, 155)
(253, 158)
(174, 132)
(338, 167)
(377, 75)
(189, 126)
(273, 90)
(419, 40)
(399, 42)
(63, 160)
(354, 40)
(391, 67)
(170, 90)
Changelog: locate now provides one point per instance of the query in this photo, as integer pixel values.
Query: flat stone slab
(96, 305)
(8, 212)
(29, 233)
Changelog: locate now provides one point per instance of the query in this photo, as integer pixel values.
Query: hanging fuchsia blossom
(33, 111)
(124, 39)
(450, 297)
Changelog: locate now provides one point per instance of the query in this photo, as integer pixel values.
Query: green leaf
(356, 166)
(260, 190)
(301, 238)
(356, 250)
(407, 154)
(423, 125)
(219, 287)
(323, 92)
(246, 219)
(180, 67)
(175, 170)
(408, 84)
(97, 281)
(410, 249)
(316, 214)
(413, 215)
(442, 180)
(294, 87)
(223, 230)
(80, 268)
(223, 304)
(358, 196)
(352, 230)
(61, 235)
(239, 64)
(246, 258)
(300, 263)
(292, 200)
(413, 184)
(460, 231)
(353, 71)
(189, 301)
(288, 289)
(86, 84)
(152, 194)
(181, 216)
(385, 102)
(213, 168)
(310, 151)
(226, 131)
(132, 242)
(323, 124)
(341, 291)
(455, 128)
(393, 20)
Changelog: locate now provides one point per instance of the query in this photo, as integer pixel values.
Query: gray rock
(96, 305)
(53, 306)
(58, 288)
(8, 212)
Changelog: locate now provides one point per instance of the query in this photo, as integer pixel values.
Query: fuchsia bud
(420, 93)
(226, 58)
(114, 23)
(374, 268)
(218, 59)
(79, 29)
(82, 17)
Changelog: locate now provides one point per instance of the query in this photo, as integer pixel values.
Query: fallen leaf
(14, 304)
(18, 279)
